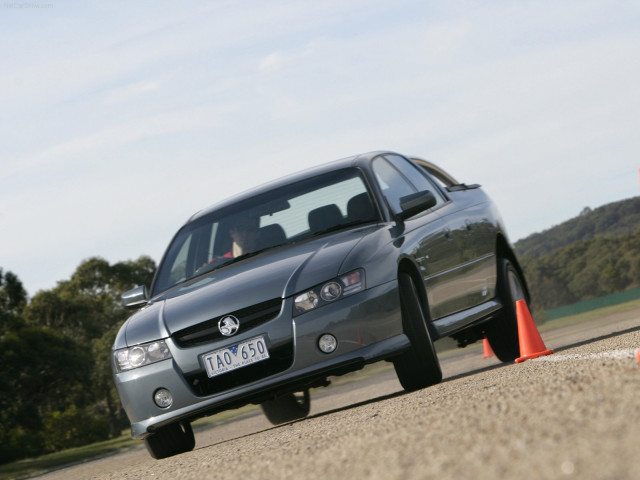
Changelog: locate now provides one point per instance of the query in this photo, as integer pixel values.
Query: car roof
(360, 160)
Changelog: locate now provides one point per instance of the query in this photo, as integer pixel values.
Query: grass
(32, 466)
(600, 312)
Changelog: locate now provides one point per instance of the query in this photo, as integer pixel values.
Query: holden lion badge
(228, 325)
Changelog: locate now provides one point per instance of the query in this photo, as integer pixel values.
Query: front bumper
(368, 326)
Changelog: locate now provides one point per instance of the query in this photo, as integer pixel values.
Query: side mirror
(136, 297)
(416, 203)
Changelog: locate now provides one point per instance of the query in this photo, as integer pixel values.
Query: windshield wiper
(219, 262)
(214, 264)
(254, 253)
(340, 226)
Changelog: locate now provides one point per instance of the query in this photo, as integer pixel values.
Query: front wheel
(170, 440)
(419, 366)
(287, 407)
(502, 331)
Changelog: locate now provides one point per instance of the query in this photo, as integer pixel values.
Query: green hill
(589, 256)
(613, 219)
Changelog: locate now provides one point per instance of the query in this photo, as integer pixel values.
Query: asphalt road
(573, 414)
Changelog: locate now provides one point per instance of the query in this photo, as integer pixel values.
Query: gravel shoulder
(573, 414)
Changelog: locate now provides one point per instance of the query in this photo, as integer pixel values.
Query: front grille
(249, 317)
(280, 359)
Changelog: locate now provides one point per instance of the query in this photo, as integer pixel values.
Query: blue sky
(118, 119)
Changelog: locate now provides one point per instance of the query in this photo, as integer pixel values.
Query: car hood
(277, 273)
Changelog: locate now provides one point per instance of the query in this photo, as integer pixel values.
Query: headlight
(352, 282)
(140, 355)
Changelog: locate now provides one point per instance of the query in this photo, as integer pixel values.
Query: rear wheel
(418, 367)
(502, 331)
(287, 407)
(170, 440)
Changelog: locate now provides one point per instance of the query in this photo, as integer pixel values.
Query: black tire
(287, 407)
(170, 440)
(419, 366)
(502, 330)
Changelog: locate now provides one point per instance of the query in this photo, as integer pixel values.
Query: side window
(178, 263)
(415, 176)
(435, 178)
(393, 185)
(190, 250)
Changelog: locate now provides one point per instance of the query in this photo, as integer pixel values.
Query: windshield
(285, 215)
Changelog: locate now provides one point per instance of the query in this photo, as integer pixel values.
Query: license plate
(236, 356)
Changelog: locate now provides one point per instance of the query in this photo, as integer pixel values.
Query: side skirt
(460, 320)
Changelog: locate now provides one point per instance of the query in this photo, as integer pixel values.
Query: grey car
(268, 294)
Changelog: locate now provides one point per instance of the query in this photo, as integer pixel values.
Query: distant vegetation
(611, 220)
(56, 388)
(594, 254)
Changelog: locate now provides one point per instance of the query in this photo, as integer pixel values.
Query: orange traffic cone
(531, 344)
(638, 355)
(488, 351)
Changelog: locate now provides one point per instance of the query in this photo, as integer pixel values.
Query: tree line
(56, 388)
(583, 270)
(594, 254)
(613, 220)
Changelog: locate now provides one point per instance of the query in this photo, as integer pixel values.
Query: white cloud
(131, 91)
(271, 61)
(113, 137)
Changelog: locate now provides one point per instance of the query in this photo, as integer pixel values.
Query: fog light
(163, 398)
(327, 343)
